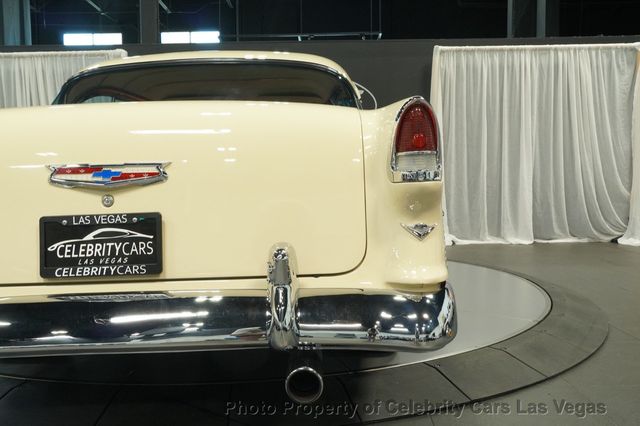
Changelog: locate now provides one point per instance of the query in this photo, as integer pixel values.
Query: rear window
(263, 81)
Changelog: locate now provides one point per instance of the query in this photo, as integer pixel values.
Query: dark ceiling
(259, 19)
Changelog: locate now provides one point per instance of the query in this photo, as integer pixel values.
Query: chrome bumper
(283, 317)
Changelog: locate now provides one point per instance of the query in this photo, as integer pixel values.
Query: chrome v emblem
(419, 230)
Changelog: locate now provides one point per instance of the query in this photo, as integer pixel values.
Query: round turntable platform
(512, 332)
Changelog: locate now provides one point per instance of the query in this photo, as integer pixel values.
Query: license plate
(102, 245)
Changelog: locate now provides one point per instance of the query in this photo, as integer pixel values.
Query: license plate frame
(101, 245)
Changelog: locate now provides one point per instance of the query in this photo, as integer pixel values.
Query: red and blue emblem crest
(98, 175)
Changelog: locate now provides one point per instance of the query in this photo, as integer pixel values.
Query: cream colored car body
(282, 224)
(228, 183)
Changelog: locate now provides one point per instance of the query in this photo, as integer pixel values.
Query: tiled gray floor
(54, 404)
(544, 353)
(208, 398)
(146, 406)
(7, 385)
(607, 274)
(475, 373)
(612, 376)
(270, 398)
(536, 405)
(411, 421)
(406, 390)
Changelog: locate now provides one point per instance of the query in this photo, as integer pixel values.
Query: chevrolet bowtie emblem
(101, 175)
(419, 230)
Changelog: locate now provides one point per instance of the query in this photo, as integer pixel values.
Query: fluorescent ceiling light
(205, 37)
(89, 39)
(106, 39)
(77, 39)
(175, 37)
(185, 37)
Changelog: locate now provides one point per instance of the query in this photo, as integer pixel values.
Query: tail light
(416, 145)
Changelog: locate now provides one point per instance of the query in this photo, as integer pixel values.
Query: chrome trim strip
(223, 319)
(397, 176)
(416, 176)
(160, 167)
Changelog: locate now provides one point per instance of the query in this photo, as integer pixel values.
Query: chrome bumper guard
(287, 317)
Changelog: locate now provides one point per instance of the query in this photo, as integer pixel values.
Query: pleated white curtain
(538, 142)
(34, 78)
(632, 236)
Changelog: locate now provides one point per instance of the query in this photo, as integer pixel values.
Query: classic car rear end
(207, 201)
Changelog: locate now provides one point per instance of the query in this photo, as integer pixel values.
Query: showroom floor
(607, 274)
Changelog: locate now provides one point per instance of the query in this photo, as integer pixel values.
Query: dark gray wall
(391, 69)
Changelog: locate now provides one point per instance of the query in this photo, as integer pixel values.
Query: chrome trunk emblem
(419, 230)
(107, 175)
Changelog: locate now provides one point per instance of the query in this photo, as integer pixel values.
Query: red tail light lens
(416, 150)
(417, 130)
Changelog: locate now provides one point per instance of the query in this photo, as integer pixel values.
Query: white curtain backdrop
(632, 236)
(538, 142)
(34, 78)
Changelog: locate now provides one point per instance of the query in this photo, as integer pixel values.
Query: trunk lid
(243, 176)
